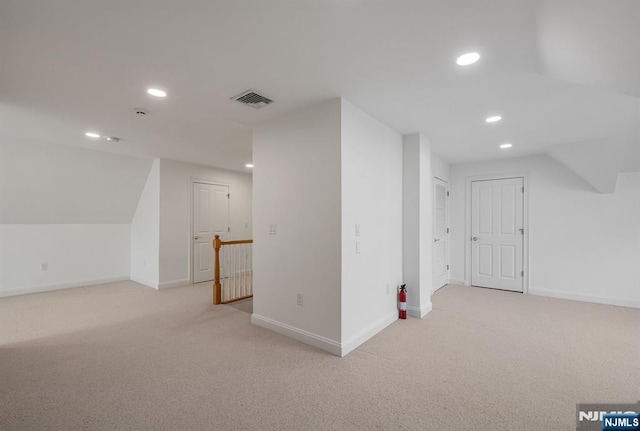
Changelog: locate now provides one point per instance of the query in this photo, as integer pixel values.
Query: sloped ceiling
(591, 42)
(42, 183)
(596, 44)
(600, 161)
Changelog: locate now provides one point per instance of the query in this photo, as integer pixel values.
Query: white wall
(76, 255)
(44, 184)
(583, 245)
(67, 207)
(145, 232)
(371, 198)
(297, 185)
(175, 214)
(417, 223)
(320, 172)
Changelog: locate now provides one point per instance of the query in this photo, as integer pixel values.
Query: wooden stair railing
(237, 261)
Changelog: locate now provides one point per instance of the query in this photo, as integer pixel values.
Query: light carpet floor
(125, 357)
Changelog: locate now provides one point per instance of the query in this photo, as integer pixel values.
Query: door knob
(196, 237)
(475, 238)
(436, 239)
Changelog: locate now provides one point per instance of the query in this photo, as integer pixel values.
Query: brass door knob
(196, 237)
(475, 238)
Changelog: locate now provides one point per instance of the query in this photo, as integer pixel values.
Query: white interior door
(497, 233)
(210, 218)
(440, 234)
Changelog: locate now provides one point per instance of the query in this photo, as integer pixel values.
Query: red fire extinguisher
(403, 301)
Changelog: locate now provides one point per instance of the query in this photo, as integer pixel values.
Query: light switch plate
(273, 229)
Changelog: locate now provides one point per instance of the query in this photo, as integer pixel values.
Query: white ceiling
(559, 72)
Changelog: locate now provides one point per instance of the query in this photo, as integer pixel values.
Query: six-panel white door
(440, 234)
(496, 234)
(210, 218)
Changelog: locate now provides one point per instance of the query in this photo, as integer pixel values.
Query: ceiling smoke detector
(253, 99)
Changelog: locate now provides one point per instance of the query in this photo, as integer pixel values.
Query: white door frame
(191, 182)
(448, 209)
(525, 215)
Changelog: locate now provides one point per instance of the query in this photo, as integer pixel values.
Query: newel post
(217, 288)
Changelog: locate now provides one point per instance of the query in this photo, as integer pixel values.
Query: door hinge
(521, 273)
(522, 189)
(447, 267)
(447, 230)
(447, 194)
(228, 229)
(228, 195)
(521, 231)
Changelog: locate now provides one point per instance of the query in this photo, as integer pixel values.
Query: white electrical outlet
(44, 267)
(273, 229)
(300, 299)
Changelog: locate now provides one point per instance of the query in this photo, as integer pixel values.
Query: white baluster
(244, 270)
(225, 281)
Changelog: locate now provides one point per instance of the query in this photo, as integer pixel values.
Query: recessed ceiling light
(468, 58)
(507, 145)
(92, 135)
(157, 93)
(249, 165)
(493, 119)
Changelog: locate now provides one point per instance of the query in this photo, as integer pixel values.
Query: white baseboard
(60, 286)
(367, 333)
(148, 283)
(306, 337)
(419, 313)
(173, 283)
(587, 297)
(326, 344)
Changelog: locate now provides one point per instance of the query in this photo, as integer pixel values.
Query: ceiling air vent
(253, 99)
